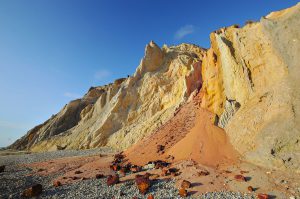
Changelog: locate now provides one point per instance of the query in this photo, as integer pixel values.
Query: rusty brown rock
(57, 183)
(165, 172)
(160, 148)
(203, 173)
(135, 169)
(143, 183)
(183, 192)
(186, 184)
(115, 167)
(112, 179)
(263, 196)
(33, 191)
(250, 189)
(150, 196)
(240, 178)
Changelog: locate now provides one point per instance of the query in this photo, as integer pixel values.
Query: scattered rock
(115, 167)
(250, 188)
(240, 178)
(112, 179)
(159, 164)
(2, 168)
(173, 171)
(165, 172)
(33, 191)
(203, 173)
(122, 172)
(160, 148)
(143, 183)
(57, 183)
(135, 169)
(183, 192)
(263, 196)
(186, 184)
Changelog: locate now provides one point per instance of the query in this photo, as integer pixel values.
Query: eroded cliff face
(250, 78)
(122, 113)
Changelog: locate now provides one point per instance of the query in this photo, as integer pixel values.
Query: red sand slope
(190, 134)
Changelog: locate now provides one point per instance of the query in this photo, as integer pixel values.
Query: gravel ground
(39, 157)
(15, 179)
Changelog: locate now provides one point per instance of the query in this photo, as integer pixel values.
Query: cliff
(248, 77)
(250, 81)
(121, 113)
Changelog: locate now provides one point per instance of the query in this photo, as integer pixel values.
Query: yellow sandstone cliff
(251, 82)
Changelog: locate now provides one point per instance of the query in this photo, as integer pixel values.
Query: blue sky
(52, 51)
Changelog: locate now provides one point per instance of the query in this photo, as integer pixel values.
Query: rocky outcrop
(256, 67)
(121, 113)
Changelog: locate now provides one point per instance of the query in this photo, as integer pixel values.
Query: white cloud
(102, 74)
(72, 95)
(184, 30)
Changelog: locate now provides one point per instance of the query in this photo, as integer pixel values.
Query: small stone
(33, 191)
(183, 192)
(203, 173)
(112, 180)
(263, 196)
(57, 183)
(135, 169)
(250, 189)
(240, 178)
(186, 184)
(160, 148)
(143, 183)
(150, 196)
